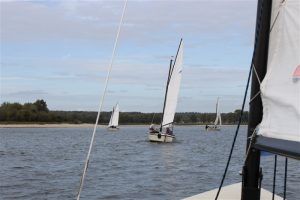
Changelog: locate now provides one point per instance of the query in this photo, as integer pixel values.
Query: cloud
(64, 47)
(145, 21)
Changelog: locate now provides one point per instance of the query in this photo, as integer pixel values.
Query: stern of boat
(160, 137)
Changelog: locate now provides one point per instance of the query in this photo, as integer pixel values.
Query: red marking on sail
(297, 72)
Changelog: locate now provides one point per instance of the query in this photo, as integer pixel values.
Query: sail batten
(173, 88)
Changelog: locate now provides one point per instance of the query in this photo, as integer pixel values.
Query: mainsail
(280, 91)
(173, 88)
(114, 118)
(218, 114)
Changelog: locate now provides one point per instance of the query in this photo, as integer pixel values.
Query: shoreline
(63, 125)
(66, 125)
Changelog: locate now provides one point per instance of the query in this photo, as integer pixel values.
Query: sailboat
(165, 132)
(114, 119)
(274, 110)
(218, 121)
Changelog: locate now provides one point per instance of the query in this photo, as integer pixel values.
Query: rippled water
(46, 163)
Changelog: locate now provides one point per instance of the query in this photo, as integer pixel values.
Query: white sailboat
(218, 121)
(114, 119)
(274, 108)
(165, 133)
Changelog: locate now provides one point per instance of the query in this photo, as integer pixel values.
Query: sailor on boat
(169, 131)
(152, 129)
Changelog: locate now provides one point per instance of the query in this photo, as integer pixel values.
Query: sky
(59, 51)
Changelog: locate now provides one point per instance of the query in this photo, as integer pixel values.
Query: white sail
(114, 118)
(218, 114)
(173, 88)
(280, 89)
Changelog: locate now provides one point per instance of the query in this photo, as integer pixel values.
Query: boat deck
(230, 192)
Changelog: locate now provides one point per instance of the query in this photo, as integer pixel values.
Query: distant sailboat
(218, 121)
(165, 133)
(114, 119)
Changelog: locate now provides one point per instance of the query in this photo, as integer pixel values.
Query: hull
(160, 137)
(112, 129)
(213, 128)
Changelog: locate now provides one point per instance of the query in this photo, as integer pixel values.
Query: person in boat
(152, 129)
(169, 131)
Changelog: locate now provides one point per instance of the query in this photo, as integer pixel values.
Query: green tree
(41, 105)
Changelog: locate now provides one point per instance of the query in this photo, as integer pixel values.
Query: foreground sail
(114, 119)
(274, 111)
(165, 133)
(218, 121)
(279, 130)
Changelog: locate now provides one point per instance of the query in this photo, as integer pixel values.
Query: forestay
(114, 119)
(280, 89)
(173, 87)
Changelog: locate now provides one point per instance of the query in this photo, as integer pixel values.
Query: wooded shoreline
(38, 113)
(65, 125)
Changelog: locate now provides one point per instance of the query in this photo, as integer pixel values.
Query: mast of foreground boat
(167, 86)
(251, 170)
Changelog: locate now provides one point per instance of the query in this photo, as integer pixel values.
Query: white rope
(101, 103)
(258, 93)
(256, 74)
(258, 80)
(251, 138)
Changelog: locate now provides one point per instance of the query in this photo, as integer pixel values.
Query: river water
(46, 163)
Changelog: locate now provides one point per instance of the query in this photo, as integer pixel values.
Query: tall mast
(251, 169)
(167, 86)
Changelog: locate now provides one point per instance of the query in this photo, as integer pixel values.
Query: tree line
(38, 112)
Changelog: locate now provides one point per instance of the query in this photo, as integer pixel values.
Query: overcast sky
(60, 51)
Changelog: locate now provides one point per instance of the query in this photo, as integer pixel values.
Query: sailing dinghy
(165, 133)
(218, 121)
(274, 111)
(114, 119)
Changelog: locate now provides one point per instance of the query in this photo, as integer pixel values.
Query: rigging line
(274, 177)
(254, 68)
(252, 139)
(254, 97)
(153, 118)
(259, 81)
(256, 74)
(244, 100)
(101, 102)
(283, 1)
(275, 20)
(236, 133)
(285, 178)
